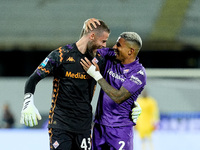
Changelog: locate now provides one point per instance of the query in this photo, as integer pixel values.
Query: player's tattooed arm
(116, 95)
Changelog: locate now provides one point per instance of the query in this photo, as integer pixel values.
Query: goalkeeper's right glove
(29, 113)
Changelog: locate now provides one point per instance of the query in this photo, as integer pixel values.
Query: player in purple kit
(123, 80)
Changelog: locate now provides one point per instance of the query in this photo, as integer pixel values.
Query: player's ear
(92, 35)
(130, 51)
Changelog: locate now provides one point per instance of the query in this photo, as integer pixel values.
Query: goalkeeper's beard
(91, 53)
(92, 48)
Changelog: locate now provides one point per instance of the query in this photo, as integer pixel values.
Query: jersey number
(84, 144)
(122, 145)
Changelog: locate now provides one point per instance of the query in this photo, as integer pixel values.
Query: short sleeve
(135, 81)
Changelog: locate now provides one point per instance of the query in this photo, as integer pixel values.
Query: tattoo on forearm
(116, 95)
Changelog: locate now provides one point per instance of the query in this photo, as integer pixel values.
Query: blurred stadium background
(170, 30)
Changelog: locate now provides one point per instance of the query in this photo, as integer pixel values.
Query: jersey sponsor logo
(140, 72)
(44, 63)
(115, 75)
(136, 80)
(77, 75)
(71, 59)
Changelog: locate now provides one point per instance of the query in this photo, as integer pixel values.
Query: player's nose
(104, 45)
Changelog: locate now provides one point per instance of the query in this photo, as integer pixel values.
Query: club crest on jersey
(44, 63)
(126, 70)
(71, 59)
(95, 60)
(56, 144)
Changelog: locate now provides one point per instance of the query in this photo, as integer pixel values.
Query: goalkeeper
(148, 122)
(123, 80)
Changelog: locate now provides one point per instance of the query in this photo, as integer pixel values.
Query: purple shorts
(112, 138)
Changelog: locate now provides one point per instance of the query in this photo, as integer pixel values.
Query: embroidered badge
(126, 70)
(56, 144)
(95, 60)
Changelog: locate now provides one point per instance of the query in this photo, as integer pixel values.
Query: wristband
(93, 73)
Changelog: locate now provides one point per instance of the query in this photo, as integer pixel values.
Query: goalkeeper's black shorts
(64, 140)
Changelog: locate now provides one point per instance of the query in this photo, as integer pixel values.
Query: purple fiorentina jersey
(132, 77)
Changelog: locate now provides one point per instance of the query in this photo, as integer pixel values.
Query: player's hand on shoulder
(29, 114)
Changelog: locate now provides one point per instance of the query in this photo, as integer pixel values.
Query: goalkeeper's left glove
(136, 111)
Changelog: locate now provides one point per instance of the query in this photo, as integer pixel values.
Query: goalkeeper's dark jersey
(72, 89)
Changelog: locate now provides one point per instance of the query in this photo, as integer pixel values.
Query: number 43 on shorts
(86, 144)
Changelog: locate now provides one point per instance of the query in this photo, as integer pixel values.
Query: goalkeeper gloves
(29, 113)
(93, 73)
(136, 111)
